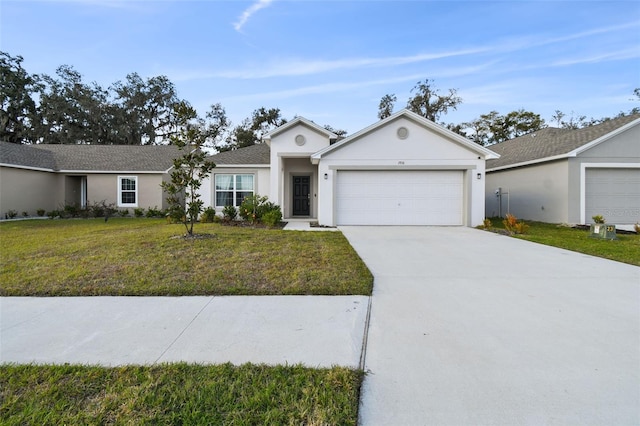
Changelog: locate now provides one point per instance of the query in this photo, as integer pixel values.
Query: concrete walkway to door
(469, 327)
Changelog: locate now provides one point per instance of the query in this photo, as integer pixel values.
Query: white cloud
(244, 17)
(619, 55)
(290, 67)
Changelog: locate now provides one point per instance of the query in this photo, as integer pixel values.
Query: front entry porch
(298, 197)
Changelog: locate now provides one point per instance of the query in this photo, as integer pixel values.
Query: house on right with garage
(567, 176)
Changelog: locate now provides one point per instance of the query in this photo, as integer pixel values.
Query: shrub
(229, 213)
(138, 212)
(272, 217)
(124, 213)
(486, 223)
(154, 212)
(11, 214)
(53, 214)
(251, 208)
(512, 225)
(208, 215)
(41, 212)
(71, 210)
(598, 218)
(25, 214)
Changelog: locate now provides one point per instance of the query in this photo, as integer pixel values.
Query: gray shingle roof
(26, 156)
(117, 158)
(551, 142)
(254, 154)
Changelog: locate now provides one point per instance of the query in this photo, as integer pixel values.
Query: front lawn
(178, 394)
(126, 256)
(625, 249)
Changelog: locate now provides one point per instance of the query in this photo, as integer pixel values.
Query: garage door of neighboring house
(613, 193)
(375, 197)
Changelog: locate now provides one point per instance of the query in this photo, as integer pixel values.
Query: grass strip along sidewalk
(147, 257)
(178, 394)
(626, 248)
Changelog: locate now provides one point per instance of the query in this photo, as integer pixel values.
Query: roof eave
(293, 123)
(531, 162)
(605, 137)
(487, 153)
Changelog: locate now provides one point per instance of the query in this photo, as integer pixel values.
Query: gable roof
(415, 118)
(254, 154)
(552, 143)
(295, 122)
(26, 156)
(90, 158)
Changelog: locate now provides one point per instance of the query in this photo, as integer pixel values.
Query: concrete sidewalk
(318, 331)
(473, 328)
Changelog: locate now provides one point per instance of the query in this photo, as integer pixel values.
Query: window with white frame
(127, 191)
(231, 189)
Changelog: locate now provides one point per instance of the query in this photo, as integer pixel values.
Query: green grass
(178, 394)
(126, 256)
(625, 249)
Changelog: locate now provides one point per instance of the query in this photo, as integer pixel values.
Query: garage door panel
(613, 193)
(399, 197)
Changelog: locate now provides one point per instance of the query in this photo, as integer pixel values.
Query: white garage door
(614, 194)
(376, 197)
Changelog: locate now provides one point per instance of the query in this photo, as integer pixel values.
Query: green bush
(229, 213)
(124, 213)
(272, 217)
(11, 214)
(154, 212)
(254, 208)
(53, 214)
(41, 212)
(138, 212)
(25, 214)
(208, 215)
(251, 208)
(598, 218)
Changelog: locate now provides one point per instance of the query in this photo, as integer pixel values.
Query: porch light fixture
(326, 176)
(479, 175)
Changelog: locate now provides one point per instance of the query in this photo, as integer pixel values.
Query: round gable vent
(402, 132)
(300, 140)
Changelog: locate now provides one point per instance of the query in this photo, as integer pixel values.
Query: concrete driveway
(469, 327)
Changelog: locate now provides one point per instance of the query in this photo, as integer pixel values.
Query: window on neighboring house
(127, 191)
(232, 189)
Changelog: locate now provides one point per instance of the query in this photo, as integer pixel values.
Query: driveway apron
(470, 327)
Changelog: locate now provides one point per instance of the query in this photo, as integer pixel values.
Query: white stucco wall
(538, 192)
(261, 181)
(288, 157)
(423, 149)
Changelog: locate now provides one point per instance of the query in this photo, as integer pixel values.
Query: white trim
(295, 122)
(17, 166)
(110, 172)
(583, 181)
(119, 182)
(531, 162)
(234, 190)
(241, 166)
(579, 150)
(603, 138)
(478, 149)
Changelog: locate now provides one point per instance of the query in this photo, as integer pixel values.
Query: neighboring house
(403, 170)
(567, 176)
(51, 176)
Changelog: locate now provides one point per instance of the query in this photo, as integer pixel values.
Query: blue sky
(331, 61)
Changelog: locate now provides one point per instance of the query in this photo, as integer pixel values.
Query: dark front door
(301, 198)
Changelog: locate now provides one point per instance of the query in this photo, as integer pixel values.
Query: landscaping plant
(183, 197)
(512, 225)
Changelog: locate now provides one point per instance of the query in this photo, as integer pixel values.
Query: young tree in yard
(189, 169)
